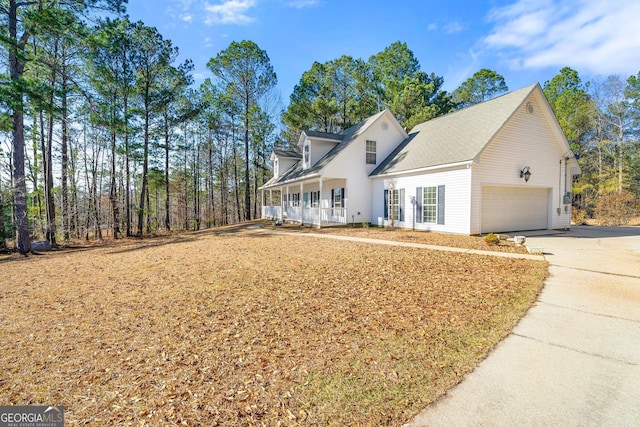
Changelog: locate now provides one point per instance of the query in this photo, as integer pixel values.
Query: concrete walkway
(574, 359)
(258, 228)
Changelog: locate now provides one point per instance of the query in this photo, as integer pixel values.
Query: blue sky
(526, 41)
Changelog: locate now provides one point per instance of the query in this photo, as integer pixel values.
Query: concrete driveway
(574, 359)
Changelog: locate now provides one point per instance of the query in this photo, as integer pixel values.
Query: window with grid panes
(430, 204)
(370, 152)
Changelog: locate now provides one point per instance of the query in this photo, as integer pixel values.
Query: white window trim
(430, 205)
(368, 152)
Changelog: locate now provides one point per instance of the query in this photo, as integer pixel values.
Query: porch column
(270, 197)
(301, 202)
(320, 205)
(262, 207)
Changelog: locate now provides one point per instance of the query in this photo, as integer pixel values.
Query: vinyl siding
(351, 165)
(525, 140)
(319, 148)
(284, 165)
(457, 195)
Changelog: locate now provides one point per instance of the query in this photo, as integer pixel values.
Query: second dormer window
(370, 152)
(306, 154)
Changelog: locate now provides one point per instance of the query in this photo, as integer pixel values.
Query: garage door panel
(514, 209)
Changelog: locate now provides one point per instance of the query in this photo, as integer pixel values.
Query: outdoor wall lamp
(525, 173)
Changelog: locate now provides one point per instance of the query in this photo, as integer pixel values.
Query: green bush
(492, 239)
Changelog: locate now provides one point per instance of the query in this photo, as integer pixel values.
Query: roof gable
(285, 154)
(344, 139)
(456, 137)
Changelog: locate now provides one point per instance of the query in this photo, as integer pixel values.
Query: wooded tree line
(601, 120)
(106, 135)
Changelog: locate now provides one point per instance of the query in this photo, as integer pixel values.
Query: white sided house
(503, 165)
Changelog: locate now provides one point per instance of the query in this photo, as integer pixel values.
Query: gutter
(290, 181)
(457, 165)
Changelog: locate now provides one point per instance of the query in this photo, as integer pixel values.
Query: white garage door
(514, 209)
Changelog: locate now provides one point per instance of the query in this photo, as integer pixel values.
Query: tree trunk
(211, 212)
(167, 201)
(2, 226)
(74, 221)
(127, 167)
(47, 157)
(235, 180)
(145, 162)
(16, 70)
(247, 184)
(196, 188)
(37, 199)
(113, 189)
(149, 213)
(66, 223)
(620, 157)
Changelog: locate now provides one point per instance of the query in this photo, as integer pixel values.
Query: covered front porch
(319, 202)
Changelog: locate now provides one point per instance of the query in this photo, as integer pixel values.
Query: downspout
(565, 175)
(566, 192)
(559, 188)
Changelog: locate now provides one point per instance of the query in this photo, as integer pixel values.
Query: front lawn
(243, 328)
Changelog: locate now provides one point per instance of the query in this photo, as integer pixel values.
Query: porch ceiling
(294, 182)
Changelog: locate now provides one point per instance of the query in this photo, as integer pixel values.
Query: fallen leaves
(248, 329)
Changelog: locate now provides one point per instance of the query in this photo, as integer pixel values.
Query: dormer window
(306, 154)
(275, 167)
(370, 152)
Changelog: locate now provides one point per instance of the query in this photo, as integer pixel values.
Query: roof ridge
(480, 104)
(467, 132)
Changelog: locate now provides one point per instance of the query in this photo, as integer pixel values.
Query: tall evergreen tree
(244, 71)
(24, 20)
(154, 56)
(482, 86)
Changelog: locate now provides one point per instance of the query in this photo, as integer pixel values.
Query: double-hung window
(337, 197)
(306, 155)
(430, 204)
(370, 152)
(315, 199)
(296, 199)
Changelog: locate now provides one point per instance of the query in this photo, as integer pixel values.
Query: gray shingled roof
(289, 154)
(456, 137)
(345, 137)
(326, 135)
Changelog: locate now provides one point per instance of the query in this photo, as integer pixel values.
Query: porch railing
(272, 212)
(312, 216)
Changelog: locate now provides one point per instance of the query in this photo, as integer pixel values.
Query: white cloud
(597, 36)
(181, 10)
(229, 12)
(299, 4)
(432, 27)
(453, 27)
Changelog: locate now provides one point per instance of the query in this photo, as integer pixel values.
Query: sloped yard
(404, 235)
(240, 328)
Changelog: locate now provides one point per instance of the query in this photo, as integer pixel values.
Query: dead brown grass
(404, 235)
(234, 328)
